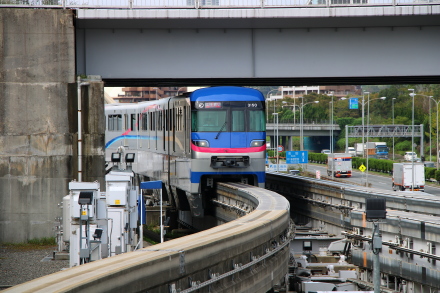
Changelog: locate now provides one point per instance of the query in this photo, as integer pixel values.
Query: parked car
(410, 156)
(325, 151)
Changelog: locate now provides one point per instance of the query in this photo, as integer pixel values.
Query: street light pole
(393, 124)
(332, 110)
(301, 146)
(368, 126)
(368, 129)
(301, 131)
(276, 146)
(430, 131)
(363, 123)
(412, 139)
(300, 124)
(436, 156)
(331, 126)
(437, 104)
(293, 111)
(267, 108)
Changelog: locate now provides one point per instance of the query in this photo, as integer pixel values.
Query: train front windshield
(228, 117)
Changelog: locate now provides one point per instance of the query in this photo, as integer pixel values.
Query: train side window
(133, 122)
(170, 119)
(119, 119)
(159, 120)
(172, 127)
(194, 121)
(152, 121)
(144, 121)
(166, 120)
(114, 122)
(179, 121)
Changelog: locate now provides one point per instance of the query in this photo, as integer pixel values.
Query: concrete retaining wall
(38, 120)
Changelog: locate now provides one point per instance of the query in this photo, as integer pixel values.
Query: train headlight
(201, 143)
(257, 143)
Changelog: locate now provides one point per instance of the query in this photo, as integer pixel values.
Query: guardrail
(206, 4)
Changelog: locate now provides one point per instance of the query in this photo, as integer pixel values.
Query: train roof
(226, 93)
(138, 105)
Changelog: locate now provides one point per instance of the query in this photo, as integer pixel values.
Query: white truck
(403, 177)
(359, 149)
(339, 164)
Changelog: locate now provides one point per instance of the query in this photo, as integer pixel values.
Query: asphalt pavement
(371, 179)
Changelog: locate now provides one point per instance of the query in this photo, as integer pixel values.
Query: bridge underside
(136, 50)
(341, 80)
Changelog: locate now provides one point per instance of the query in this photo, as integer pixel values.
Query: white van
(410, 156)
(351, 151)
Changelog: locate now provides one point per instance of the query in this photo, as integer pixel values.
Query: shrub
(430, 173)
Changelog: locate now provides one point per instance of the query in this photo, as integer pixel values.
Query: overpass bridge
(261, 42)
(254, 42)
(317, 136)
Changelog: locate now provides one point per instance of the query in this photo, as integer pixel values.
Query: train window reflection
(208, 120)
(238, 121)
(257, 121)
(114, 122)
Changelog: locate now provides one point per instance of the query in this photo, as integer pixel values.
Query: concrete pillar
(284, 142)
(38, 121)
(93, 134)
(272, 141)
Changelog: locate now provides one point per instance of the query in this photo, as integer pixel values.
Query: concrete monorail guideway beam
(253, 249)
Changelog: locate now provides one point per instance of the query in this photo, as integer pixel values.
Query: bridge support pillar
(38, 122)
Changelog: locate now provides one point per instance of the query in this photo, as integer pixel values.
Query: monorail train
(192, 141)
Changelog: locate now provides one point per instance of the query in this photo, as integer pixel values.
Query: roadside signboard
(282, 167)
(353, 104)
(297, 157)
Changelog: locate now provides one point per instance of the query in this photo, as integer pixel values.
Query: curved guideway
(252, 249)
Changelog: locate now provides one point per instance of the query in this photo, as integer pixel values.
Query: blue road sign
(282, 167)
(297, 157)
(272, 167)
(354, 104)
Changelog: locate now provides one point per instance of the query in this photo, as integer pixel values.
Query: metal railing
(205, 4)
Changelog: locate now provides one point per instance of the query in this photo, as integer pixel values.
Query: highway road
(373, 180)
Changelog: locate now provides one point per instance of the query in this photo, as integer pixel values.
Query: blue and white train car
(192, 141)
